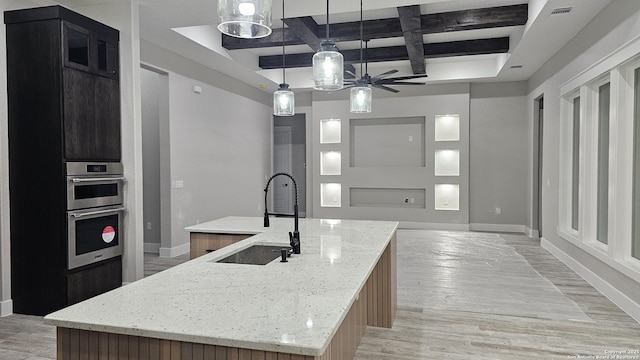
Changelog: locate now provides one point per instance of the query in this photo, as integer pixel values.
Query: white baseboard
(175, 251)
(6, 307)
(616, 296)
(432, 226)
(152, 248)
(497, 227)
(534, 234)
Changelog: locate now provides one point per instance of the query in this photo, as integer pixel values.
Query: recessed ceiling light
(516, 66)
(561, 10)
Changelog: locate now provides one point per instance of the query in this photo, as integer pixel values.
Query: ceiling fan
(379, 81)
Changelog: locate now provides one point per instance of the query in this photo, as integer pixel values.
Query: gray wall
(499, 154)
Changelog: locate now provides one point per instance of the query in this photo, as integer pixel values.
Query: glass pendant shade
(283, 101)
(328, 68)
(250, 19)
(361, 98)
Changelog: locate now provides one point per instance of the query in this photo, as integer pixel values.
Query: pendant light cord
(361, 38)
(284, 81)
(327, 20)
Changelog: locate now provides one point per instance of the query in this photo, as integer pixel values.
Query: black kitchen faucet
(294, 238)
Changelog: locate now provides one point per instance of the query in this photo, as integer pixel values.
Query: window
(575, 164)
(603, 163)
(635, 251)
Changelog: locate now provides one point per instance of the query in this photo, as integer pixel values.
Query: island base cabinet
(375, 305)
(204, 243)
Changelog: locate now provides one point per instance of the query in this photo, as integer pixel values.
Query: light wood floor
(461, 295)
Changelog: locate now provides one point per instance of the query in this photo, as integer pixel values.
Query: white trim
(175, 251)
(622, 54)
(152, 248)
(6, 308)
(497, 227)
(432, 226)
(534, 234)
(621, 300)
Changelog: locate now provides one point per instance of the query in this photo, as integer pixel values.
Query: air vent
(561, 10)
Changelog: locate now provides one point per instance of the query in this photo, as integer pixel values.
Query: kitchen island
(315, 306)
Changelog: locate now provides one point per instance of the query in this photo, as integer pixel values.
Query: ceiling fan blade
(351, 73)
(384, 74)
(398, 83)
(410, 77)
(385, 88)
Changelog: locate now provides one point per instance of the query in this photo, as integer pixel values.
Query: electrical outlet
(412, 200)
(445, 201)
(148, 225)
(498, 210)
(410, 138)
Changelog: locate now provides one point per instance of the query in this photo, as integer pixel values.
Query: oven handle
(78, 215)
(81, 180)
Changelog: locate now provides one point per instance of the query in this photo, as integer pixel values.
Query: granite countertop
(292, 307)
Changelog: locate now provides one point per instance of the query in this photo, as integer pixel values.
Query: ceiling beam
(513, 15)
(412, 31)
(393, 53)
(306, 29)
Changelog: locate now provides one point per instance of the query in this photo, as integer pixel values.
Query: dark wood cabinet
(63, 105)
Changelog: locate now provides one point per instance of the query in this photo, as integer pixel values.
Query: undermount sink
(254, 255)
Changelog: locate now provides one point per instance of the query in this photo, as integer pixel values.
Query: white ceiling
(189, 28)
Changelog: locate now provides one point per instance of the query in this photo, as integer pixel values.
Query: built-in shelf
(447, 128)
(447, 163)
(447, 197)
(330, 163)
(330, 131)
(330, 195)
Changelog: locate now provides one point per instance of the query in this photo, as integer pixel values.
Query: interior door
(283, 191)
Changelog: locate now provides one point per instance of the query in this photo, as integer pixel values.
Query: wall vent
(561, 10)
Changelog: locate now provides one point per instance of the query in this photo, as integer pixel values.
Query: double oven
(95, 212)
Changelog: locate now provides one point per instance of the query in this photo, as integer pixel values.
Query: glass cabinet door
(106, 52)
(76, 47)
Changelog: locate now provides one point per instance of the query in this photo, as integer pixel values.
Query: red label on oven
(108, 234)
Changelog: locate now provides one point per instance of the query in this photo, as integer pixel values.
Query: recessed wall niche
(386, 197)
(447, 128)
(330, 195)
(387, 142)
(330, 131)
(447, 163)
(447, 197)
(330, 162)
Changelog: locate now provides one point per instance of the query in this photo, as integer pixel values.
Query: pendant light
(328, 65)
(249, 19)
(283, 98)
(361, 93)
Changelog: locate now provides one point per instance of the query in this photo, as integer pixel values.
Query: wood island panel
(204, 243)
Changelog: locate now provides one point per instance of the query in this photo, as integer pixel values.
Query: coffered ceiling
(450, 40)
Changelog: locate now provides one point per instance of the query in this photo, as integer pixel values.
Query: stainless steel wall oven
(94, 212)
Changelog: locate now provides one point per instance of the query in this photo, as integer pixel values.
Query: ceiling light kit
(328, 65)
(248, 19)
(283, 98)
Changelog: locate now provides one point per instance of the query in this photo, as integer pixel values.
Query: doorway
(289, 155)
(156, 208)
(538, 182)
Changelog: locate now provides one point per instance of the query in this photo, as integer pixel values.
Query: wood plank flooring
(461, 295)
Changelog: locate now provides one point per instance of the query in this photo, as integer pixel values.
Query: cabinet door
(79, 122)
(106, 56)
(76, 47)
(107, 118)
